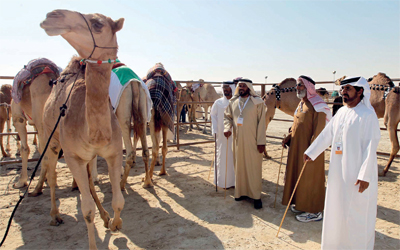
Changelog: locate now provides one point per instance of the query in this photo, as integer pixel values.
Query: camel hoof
(382, 174)
(115, 225)
(162, 173)
(148, 184)
(6, 155)
(20, 185)
(57, 221)
(158, 163)
(122, 185)
(35, 194)
(8, 148)
(18, 154)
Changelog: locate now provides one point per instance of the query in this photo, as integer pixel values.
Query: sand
(183, 210)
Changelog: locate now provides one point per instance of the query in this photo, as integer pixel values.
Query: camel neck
(98, 115)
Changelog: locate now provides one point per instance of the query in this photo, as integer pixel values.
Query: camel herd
(90, 127)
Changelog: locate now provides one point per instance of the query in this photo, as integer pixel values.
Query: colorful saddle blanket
(162, 87)
(120, 77)
(33, 69)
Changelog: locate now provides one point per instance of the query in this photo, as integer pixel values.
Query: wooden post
(177, 125)
(262, 90)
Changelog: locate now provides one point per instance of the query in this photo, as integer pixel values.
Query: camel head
(338, 81)
(74, 27)
(381, 79)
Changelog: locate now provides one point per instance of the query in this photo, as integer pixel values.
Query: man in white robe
(352, 190)
(217, 118)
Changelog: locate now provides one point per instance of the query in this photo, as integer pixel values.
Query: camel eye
(97, 26)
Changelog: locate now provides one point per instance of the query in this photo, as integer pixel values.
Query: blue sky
(220, 40)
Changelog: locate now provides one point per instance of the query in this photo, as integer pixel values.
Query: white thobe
(217, 119)
(349, 221)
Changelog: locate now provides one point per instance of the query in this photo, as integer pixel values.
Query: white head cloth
(360, 82)
(231, 85)
(253, 95)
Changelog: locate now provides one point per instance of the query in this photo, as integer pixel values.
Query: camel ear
(118, 25)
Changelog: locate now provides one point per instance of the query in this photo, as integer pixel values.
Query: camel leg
(20, 127)
(269, 115)
(8, 148)
(43, 171)
(394, 140)
(130, 158)
(2, 122)
(145, 157)
(205, 119)
(34, 136)
(155, 138)
(164, 150)
(114, 171)
(88, 207)
(94, 173)
(103, 213)
(50, 162)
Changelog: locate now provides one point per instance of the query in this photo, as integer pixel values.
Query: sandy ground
(183, 210)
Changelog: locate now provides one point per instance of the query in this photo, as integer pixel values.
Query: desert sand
(183, 210)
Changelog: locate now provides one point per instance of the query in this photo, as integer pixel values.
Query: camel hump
(33, 69)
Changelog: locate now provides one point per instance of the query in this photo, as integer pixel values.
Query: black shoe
(240, 198)
(258, 204)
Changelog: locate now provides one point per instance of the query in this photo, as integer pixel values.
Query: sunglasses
(299, 85)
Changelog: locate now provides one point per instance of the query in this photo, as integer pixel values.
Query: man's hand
(363, 185)
(227, 134)
(285, 141)
(306, 158)
(261, 148)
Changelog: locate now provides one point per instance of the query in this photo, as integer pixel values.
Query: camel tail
(158, 123)
(138, 119)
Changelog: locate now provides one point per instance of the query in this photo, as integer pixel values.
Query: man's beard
(227, 93)
(301, 94)
(347, 98)
(243, 93)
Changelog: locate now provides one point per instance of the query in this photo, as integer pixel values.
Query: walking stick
(226, 165)
(294, 190)
(277, 182)
(215, 162)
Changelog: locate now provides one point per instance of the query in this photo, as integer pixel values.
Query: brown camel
(323, 93)
(161, 88)
(282, 96)
(184, 95)
(30, 108)
(89, 127)
(5, 102)
(205, 93)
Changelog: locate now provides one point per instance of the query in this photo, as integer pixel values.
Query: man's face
(227, 90)
(243, 89)
(349, 93)
(301, 89)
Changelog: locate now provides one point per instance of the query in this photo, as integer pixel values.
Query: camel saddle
(26, 75)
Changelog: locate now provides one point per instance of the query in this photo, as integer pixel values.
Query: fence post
(262, 90)
(177, 124)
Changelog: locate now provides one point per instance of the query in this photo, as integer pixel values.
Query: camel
(288, 104)
(205, 93)
(184, 95)
(89, 127)
(386, 102)
(5, 101)
(161, 89)
(323, 93)
(30, 108)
